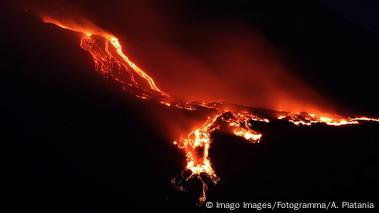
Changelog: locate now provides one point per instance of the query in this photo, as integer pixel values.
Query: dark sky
(363, 12)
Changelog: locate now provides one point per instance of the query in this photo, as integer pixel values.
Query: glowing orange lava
(111, 61)
(197, 143)
(312, 118)
(106, 61)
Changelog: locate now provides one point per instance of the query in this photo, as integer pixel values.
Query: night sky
(75, 142)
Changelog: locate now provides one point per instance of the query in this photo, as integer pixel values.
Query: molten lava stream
(111, 61)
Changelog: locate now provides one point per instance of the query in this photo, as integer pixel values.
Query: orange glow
(116, 44)
(111, 61)
(197, 143)
(80, 26)
(106, 60)
(333, 120)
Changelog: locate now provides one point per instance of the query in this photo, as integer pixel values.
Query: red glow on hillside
(244, 75)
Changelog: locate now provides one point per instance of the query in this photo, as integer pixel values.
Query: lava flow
(333, 120)
(111, 61)
(197, 144)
